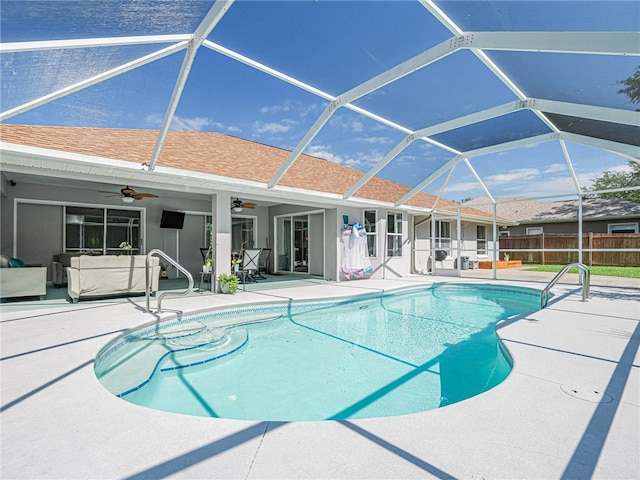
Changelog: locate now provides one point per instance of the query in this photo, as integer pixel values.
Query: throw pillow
(15, 263)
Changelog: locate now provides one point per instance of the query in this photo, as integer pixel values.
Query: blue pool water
(377, 356)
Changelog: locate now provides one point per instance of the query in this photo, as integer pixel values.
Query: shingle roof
(529, 211)
(217, 154)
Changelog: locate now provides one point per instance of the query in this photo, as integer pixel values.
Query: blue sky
(332, 46)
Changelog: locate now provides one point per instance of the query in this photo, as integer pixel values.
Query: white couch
(110, 275)
(23, 282)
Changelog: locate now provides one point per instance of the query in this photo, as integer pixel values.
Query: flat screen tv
(172, 219)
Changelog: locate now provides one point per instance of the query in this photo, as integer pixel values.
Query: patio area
(569, 409)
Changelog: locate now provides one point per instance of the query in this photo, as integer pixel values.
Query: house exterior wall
(468, 242)
(588, 226)
(41, 224)
(383, 266)
(42, 227)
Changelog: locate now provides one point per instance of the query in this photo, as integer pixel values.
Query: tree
(632, 87)
(611, 180)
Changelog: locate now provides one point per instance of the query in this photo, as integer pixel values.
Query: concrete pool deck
(570, 408)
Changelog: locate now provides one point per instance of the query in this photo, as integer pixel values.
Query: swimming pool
(371, 356)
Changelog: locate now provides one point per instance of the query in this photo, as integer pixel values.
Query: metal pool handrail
(162, 295)
(586, 282)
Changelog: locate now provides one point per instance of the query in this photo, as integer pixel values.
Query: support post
(496, 243)
(221, 221)
(432, 245)
(580, 229)
(459, 241)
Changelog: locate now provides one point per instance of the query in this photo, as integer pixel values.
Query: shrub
(230, 280)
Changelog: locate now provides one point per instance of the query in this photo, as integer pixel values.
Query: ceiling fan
(129, 195)
(237, 205)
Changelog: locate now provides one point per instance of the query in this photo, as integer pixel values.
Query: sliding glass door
(300, 243)
(283, 261)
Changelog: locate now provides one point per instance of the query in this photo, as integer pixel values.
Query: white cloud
(360, 161)
(517, 175)
(223, 127)
(618, 168)
(273, 127)
(555, 167)
(276, 108)
(153, 119)
(363, 160)
(324, 151)
(543, 188)
(404, 160)
(196, 124)
(375, 140)
(462, 187)
(296, 108)
(346, 123)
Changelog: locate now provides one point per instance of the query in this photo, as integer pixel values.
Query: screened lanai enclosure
(484, 103)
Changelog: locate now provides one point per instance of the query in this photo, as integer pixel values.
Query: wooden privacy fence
(544, 248)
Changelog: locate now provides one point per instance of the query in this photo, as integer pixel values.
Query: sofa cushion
(87, 262)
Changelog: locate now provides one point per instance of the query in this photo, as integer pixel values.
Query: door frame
(276, 241)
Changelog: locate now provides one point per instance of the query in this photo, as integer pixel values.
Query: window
(123, 226)
(443, 235)
(504, 233)
(481, 236)
(101, 230)
(394, 234)
(242, 233)
(623, 228)
(370, 220)
(534, 230)
(85, 229)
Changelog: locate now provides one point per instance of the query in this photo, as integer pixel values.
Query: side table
(212, 280)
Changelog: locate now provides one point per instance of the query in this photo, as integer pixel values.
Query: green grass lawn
(628, 272)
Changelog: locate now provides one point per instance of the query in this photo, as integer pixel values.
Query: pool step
(172, 355)
(203, 349)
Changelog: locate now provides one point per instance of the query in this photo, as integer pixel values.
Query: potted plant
(206, 268)
(125, 247)
(228, 283)
(506, 257)
(235, 263)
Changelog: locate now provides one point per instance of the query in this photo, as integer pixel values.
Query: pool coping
(59, 422)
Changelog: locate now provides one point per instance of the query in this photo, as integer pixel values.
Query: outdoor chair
(250, 266)
(204, 251)
(263, 263)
